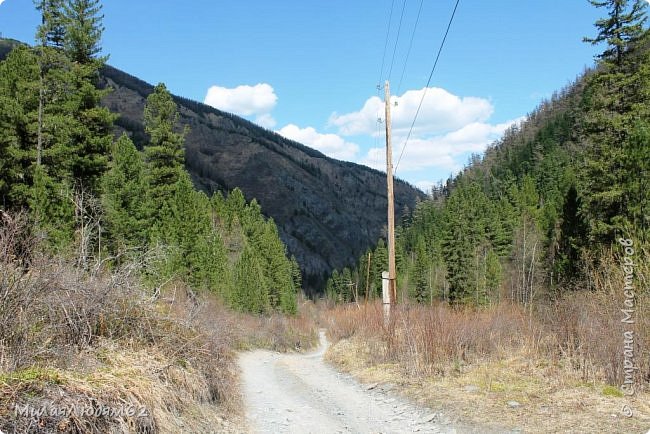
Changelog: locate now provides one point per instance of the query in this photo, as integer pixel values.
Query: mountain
(327, 211)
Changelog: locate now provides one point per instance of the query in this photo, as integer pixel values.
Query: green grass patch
(612, 391)
(31, 375)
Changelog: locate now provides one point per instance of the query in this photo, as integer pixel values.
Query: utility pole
(392, 290)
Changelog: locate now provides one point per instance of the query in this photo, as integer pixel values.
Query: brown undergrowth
(555, 368)
(91, 351)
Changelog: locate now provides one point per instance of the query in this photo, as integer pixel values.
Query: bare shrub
(583, 329)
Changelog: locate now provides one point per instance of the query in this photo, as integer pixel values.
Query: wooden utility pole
(392, 290)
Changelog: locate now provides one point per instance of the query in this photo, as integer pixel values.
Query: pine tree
(164, 156)
(52, 210)
(345, 285)
(83, 30)
(277, 268)
(364, 279)
(420, 272)
(124, 197)
(77, 131)
(91, 132)
(19, 78)
(493, 274)
(250, 293)
(465, 232)
(52, 31)
(615, 102)
(573, 233)
(185, 222)
(296, 274)
(622, 27)
(210, 270)
(378, 265)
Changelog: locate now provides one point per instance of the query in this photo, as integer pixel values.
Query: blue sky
(309, 69)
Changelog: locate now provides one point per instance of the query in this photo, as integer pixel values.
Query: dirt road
(294, 393)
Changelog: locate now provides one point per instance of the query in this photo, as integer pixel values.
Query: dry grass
(96, 340)
(563, 362)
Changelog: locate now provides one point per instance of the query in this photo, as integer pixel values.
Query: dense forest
(95, 197)
(528, 219)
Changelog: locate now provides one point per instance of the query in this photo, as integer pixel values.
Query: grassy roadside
(496, 368)
(91, 351)
(165, 365)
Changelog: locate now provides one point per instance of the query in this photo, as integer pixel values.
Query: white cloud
(441, 151)
(331, 145)
(243, 100)
(425, 186)
(441, 112)
(265, 120)
(1, 1)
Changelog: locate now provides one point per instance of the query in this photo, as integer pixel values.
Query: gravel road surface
(296, 393)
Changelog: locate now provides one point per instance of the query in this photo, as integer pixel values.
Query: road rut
(295, 393)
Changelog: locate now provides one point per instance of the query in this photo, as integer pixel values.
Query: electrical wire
(408, 52)
(435, 63)
(383, 58)
(399, 29)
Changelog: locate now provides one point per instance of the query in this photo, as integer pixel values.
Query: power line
(408, 53)
(399, 29)
(435, 63)
(383, 57)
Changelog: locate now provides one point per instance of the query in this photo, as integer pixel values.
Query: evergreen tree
(421, 278)
(364, 279)
(52, 210)
(573, 233)
(52, 31)
(83, 30)
(164, 156)
(345, 286)
(378, 265)
(493, 273)
(622, 27)
(250, 293)
(19, 78)
(211, 270)
(296, 275)
(81, 130)
(91, 132)
(124, 197)
(615, 102)
(185, 222)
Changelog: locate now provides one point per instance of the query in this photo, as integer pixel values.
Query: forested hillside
(528, 219)
(327, 211)
(99, 199)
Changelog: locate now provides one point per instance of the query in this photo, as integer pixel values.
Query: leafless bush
(426, 338)
(62, 316)
(582, 329)
(17, 242)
